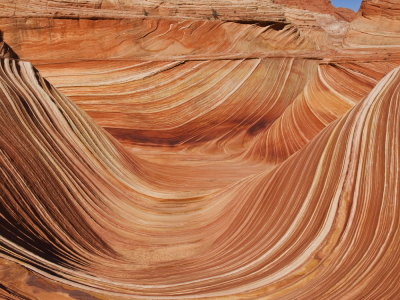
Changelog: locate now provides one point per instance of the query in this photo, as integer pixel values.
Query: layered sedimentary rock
(176, 150)
(92, 220)
(148, 38)
(126, 9)
(377, 25)
(320, 6)
(165, 29)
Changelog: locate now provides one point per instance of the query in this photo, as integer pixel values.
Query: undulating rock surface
(199, 150)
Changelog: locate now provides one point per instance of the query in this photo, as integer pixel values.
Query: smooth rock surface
(376, 25)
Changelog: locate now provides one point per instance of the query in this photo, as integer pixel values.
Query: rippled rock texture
(199, 150)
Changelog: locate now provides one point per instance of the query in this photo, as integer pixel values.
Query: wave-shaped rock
(154, 39)
(165, 30)
(178, 150)
(75, 210)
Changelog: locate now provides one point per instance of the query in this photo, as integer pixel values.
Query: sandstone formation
(377, 25)
(126, 9)
(320, 6)
(199, 150)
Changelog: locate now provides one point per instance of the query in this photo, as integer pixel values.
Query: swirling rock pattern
(245, 156)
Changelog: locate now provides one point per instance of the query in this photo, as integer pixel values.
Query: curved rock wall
(109, 231)
(198, 150)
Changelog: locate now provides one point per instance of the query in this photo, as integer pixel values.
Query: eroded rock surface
(377, 25)
(320, 6)
(206, 150)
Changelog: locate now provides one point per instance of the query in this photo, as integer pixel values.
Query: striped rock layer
(376, 25)
(321, 6)
(167, 151)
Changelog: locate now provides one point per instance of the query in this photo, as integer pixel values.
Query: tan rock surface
(320, 6)
(127, 9)
(377, 25)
